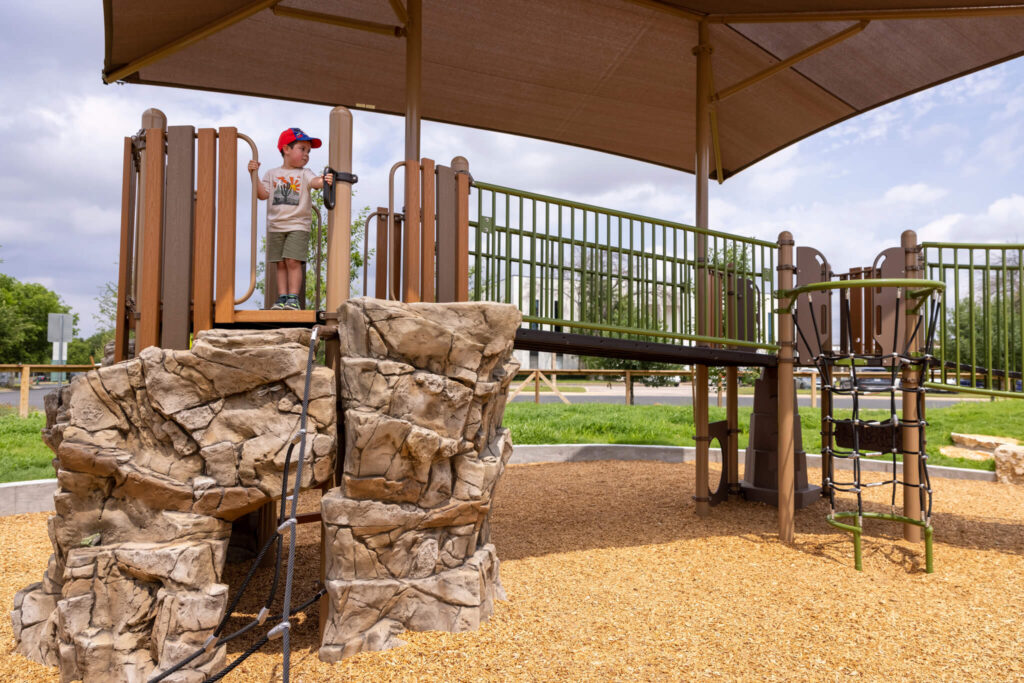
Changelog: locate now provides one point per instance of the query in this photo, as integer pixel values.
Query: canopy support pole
(413, 77)
(702, 167)
(413, 74)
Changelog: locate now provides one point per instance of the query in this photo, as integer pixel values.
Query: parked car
(868, 382)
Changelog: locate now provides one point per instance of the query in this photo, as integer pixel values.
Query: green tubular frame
(615, 273)
(918, 289)
(857, 530)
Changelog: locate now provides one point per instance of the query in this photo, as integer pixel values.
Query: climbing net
(853, 438)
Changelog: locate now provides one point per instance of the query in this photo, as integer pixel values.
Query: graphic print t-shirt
(289, 205)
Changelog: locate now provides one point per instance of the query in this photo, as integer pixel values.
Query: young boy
(289, 212)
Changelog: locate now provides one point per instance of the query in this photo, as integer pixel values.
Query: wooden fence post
(26, 380)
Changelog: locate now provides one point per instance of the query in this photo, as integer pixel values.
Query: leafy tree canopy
(23, 316)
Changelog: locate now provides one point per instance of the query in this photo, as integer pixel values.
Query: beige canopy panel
(612, 75)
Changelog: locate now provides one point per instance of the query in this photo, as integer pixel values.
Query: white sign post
(58, 331)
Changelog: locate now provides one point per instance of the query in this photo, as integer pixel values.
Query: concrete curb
(591, 452)
(21, 497)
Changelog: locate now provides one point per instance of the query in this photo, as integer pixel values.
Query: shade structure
(612, 75)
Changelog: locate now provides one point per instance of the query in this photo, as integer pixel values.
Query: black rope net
(853, 438)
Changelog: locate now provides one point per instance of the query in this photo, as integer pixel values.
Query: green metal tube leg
(857, 564)
(929, 563)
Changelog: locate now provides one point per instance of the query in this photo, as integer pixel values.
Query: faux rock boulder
(423, 390)
(156, 456)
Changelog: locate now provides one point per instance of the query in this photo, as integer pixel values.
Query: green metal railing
(981, 325)
(588, 269)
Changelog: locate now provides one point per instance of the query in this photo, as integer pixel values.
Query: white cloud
(778, 173)
(1001, 221)
(918, 193)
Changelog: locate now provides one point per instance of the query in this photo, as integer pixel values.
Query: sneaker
(279, 305)
(291, 304)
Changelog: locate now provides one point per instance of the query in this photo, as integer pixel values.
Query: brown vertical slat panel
(204, 238)
(227, 191)
(446, 229)
(381, 291)
(411, 242)
(857, 312)
(427, 259)
(149, 286)
(125, 260)
(462, 237)
(270, 285)
(177, 238)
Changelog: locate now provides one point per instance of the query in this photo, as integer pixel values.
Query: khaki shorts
(293, 244)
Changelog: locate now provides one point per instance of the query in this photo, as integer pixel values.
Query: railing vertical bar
(534, 294)
(970, 292)
(1004, 326)
(986, 311)
(608, 270)
(629, 298)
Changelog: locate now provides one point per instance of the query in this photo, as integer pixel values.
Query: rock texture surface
(1010, 464)
(423, 388)
(979, 447)
(155, 457)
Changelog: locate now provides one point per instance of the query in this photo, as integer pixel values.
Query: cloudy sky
(948, 162)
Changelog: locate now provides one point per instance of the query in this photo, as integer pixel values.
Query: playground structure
(769, 102)
(587, 280)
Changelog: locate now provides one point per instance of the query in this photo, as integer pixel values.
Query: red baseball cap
(291, 135)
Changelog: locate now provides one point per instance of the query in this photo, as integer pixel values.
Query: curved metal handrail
(255, 197)
(915, 288)
(391, 223)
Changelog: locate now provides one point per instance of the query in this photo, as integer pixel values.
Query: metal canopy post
(413, 77)
(702, 167)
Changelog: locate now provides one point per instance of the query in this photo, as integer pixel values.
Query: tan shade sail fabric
(612, 75)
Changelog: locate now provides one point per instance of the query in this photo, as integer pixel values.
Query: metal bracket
(279, 630)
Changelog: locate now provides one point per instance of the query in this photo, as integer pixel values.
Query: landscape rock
(1010, 464)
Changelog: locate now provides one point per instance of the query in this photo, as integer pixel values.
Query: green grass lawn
(23, 455)
(673, 425)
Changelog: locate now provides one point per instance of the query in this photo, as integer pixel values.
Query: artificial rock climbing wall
(423, 389)
(155, 457)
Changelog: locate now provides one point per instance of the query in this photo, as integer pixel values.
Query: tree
(24, 307)
(89, 350)
(355, 251)
(107, 303)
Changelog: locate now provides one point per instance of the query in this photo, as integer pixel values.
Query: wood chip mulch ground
(610, 576)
